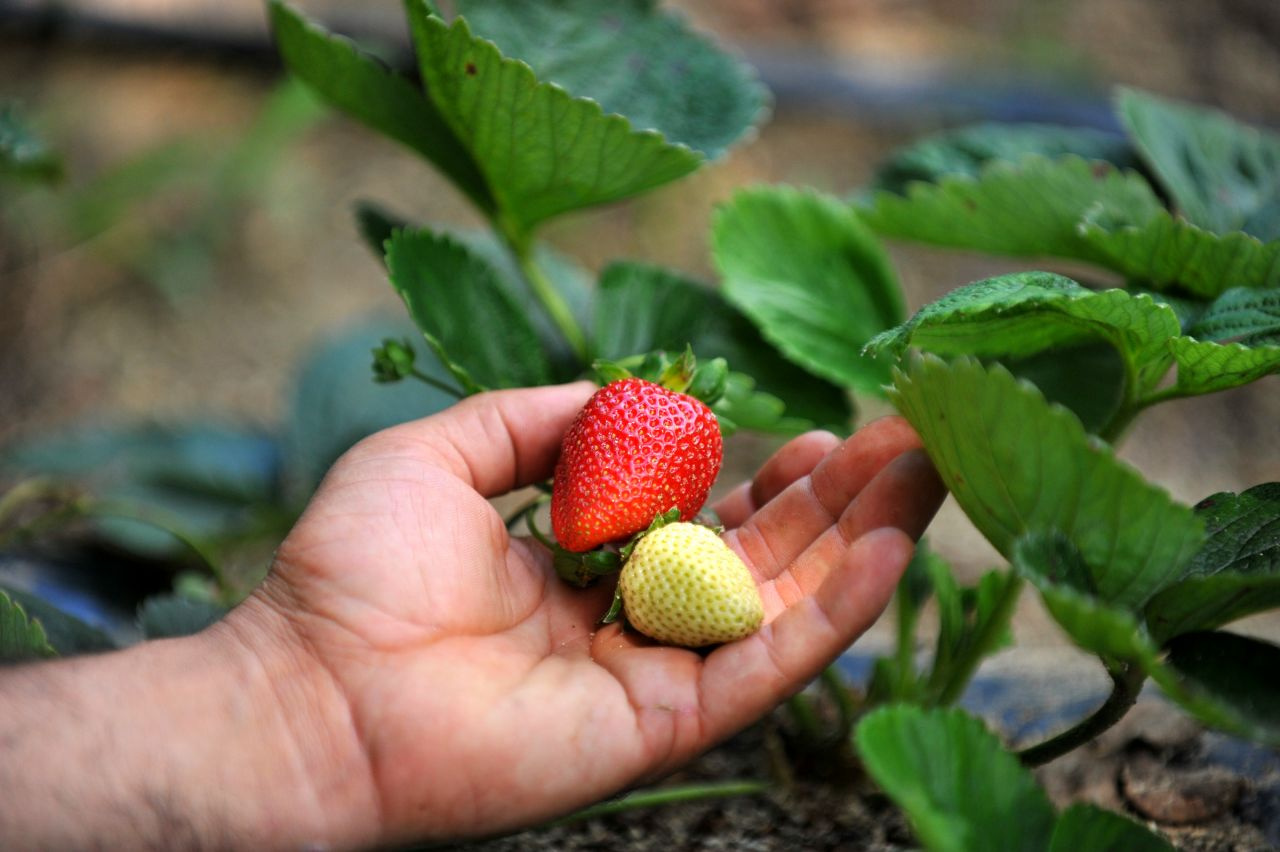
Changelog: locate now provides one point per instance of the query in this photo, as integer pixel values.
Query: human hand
(470, 691)
(410, 671)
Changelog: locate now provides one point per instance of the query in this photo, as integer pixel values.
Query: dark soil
(1155, 767)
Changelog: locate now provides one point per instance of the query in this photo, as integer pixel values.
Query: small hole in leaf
(471, 69)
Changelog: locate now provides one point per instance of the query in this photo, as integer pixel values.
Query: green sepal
(577, 569)
(678, 375)
(608, 372)
(710, 380)
(615, 608)
(668, 517)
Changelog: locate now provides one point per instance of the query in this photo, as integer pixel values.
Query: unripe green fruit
(682, 585)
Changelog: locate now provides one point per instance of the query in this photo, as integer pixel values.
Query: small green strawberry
(682, 585)
(636, 450)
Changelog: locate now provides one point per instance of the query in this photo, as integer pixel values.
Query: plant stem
(436, 383)
(667, 796)
(840, 694)
(129, 512)
(550, 298)
(1127, 683)
(980, 644)
(904, 664)
(801, 710)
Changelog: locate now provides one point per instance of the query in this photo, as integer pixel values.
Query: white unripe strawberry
(682, 585)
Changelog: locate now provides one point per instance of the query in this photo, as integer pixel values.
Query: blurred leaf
(745, 407)
(1248, 317)
(1088, 828)
(21, 638)
(1031, 208)
(1165, 252)
(965, 150)
(640, 308)
(359, 85)
(1236, 573)
(203, 481)
(927, 761)
(815, 282)
(23, 155)
(165, 616)
(1026, 313)
(67, 635)
(336, 402)
(110, 197)
(376, 225)
(466, 314)
(1017, 465)
(542, 150)
(1219, 172)
(634, 59)
(1226, 681)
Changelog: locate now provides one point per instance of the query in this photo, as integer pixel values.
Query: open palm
(478, 687)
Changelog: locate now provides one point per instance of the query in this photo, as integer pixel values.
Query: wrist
(235, 737)
(300, 750)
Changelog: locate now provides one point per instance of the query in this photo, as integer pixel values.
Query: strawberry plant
(1019, 385)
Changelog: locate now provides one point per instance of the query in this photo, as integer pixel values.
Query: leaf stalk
(1126, 684)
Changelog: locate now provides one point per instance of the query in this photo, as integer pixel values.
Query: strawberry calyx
(584, 569)
(705, 381)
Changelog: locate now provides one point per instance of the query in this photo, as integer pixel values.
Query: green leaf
(1088, 378)
(1026, 313)
(1219, 172)
(927, 762)
(1236, 573)
(24, 155)
(1083, 827)
(359, 85)
(377, 224)
(542, 151)
(165, 616)
(1031, 208)
(1065, 583)
(811, 277)
(569, 279)
(1226, 681)
(67, 634)
(466, 315)
(21, 638)
(1206, 367)
(1248, 317)
(745, 407)
(201, 480)
(336, 403)
(965, 150)
(1018, 465)
(640, 308)
(634, 59)
(1165, 253)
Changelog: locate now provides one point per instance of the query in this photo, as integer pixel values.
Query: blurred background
(200, 251)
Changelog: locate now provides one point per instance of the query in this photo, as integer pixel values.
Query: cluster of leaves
(1045, 373)
(533, 112)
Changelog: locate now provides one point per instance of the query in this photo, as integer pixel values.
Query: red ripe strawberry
(636, 450)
